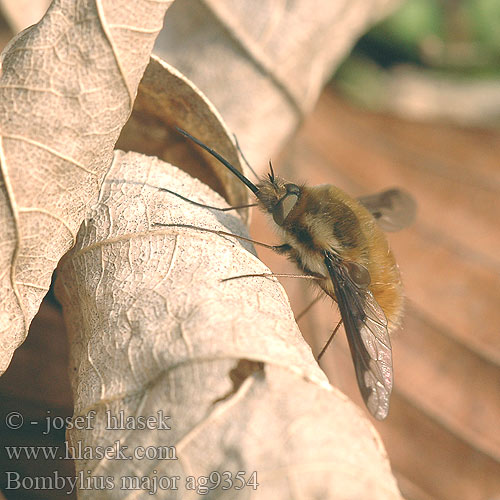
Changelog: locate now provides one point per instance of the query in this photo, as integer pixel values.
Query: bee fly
(338, 240)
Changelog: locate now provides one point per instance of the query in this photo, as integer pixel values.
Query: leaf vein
(50, 150)
(15, 215)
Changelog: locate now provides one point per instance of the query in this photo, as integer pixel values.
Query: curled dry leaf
(66, 89)
(263, 64)
(166, 97)
(155, 332)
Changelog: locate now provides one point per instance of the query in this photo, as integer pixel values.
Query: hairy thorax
(327, 219)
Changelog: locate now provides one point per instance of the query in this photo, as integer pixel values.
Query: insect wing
(366, 329)
(393, 209)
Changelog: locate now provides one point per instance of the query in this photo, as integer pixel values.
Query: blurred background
(416, 104)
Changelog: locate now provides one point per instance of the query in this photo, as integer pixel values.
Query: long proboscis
(228, 165)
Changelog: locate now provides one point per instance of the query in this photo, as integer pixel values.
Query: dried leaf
(66, 89)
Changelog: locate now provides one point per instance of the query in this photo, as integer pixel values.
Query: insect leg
(227, 209)
(320, 355)
(198, 204)
(243, 156)
(306, 310)
(266, 275)
(276, 248)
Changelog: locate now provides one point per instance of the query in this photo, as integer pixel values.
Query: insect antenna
(230, 167)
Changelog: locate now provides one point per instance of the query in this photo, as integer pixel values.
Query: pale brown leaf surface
(66, 89)
(153, 328)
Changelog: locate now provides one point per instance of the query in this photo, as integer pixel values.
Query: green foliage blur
(455, 40)
(451, 35)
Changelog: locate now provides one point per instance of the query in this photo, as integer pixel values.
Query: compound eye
(292, 189)
(285, 206)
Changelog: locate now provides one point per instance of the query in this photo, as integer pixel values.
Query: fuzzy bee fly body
(339, 239)
(321, 220)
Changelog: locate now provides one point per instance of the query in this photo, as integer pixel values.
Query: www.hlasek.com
(84, 480)
(79, 451)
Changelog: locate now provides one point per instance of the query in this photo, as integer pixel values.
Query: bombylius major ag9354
(339, 240)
